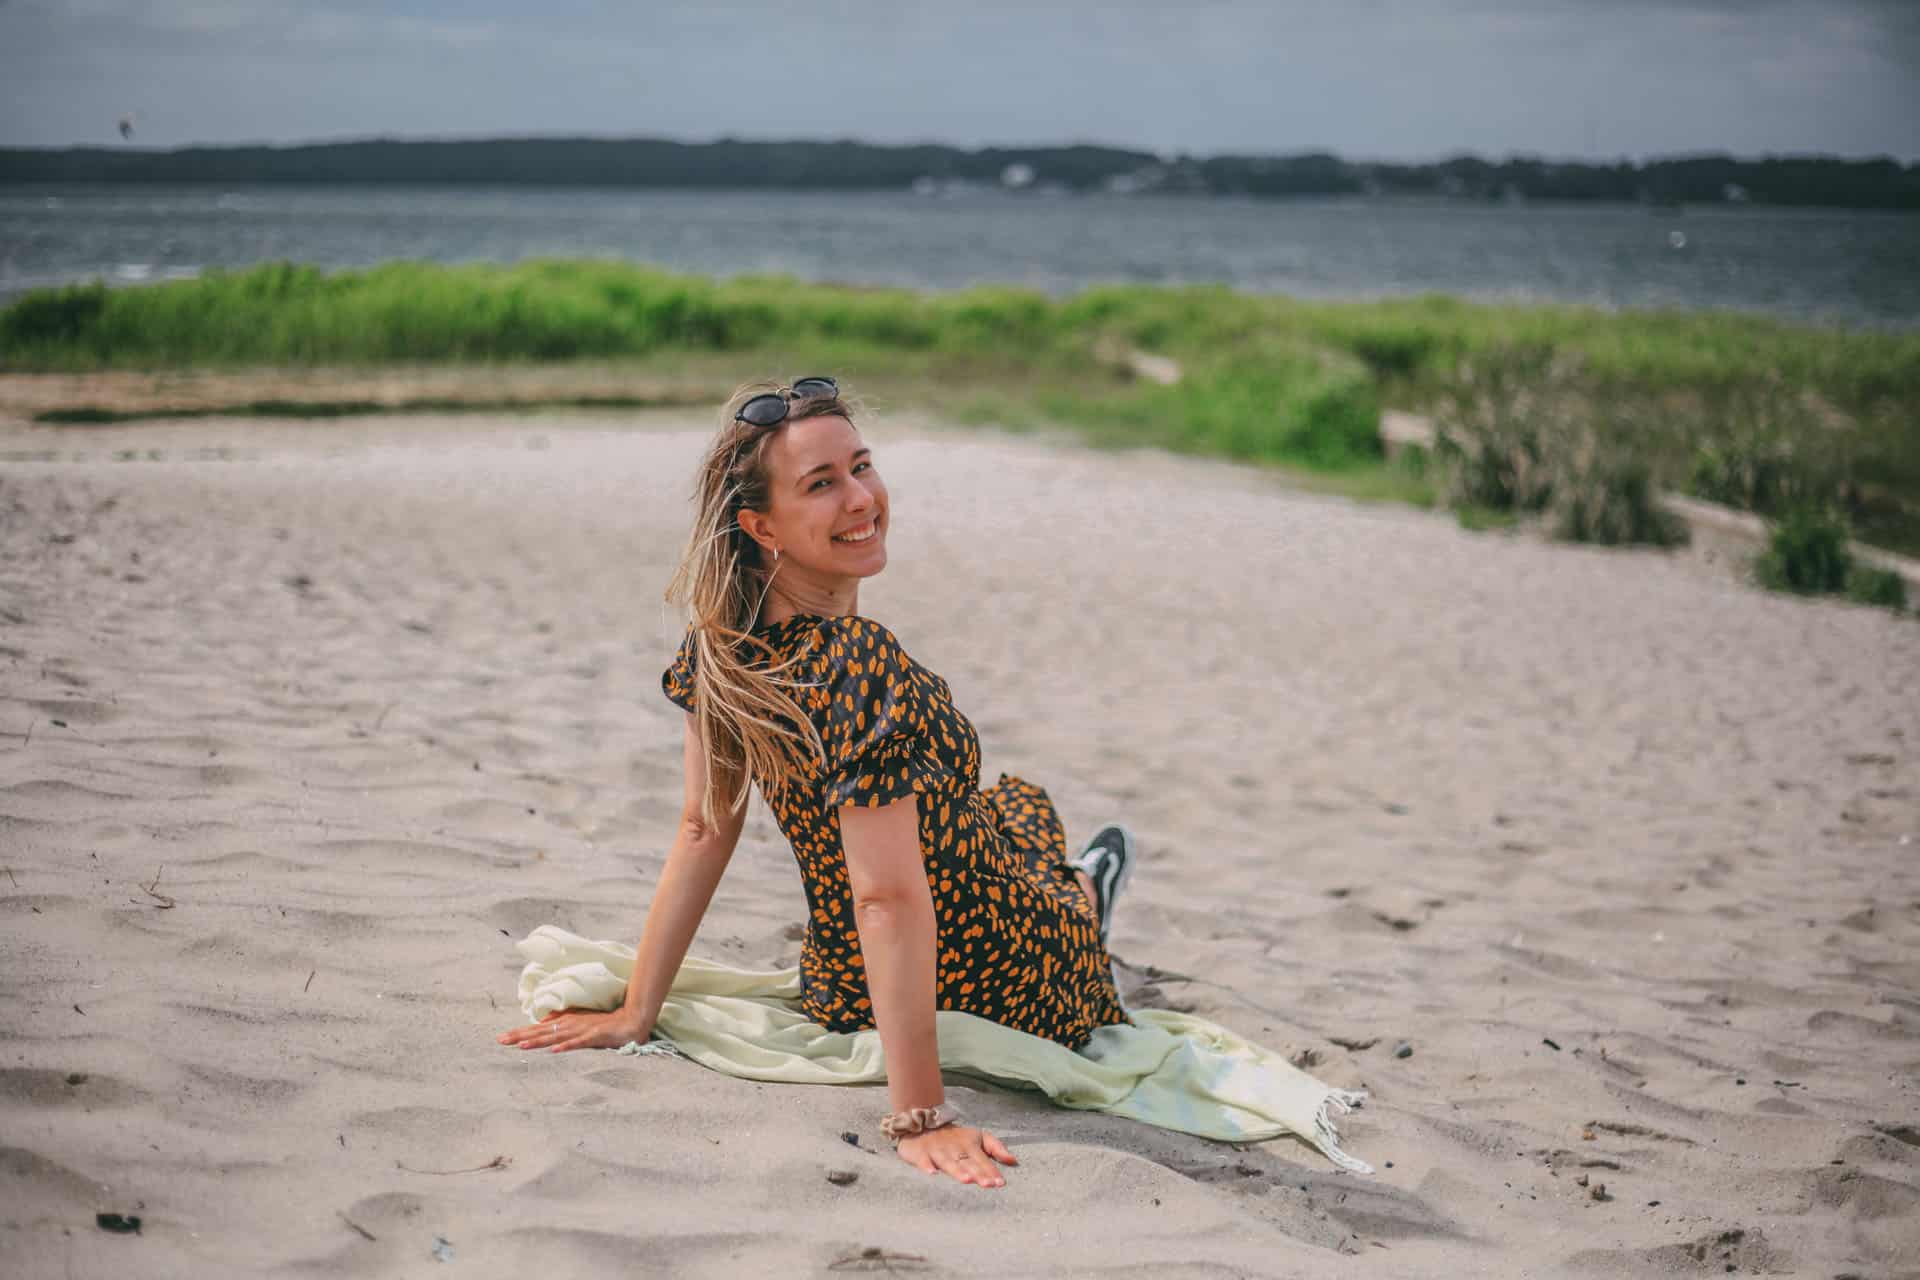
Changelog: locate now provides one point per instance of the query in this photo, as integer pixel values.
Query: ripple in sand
(54, 1087)
(410, 857)
(577, 1178)
(1831, 1021)
(652, 1249)
(266, 1090)
(1735, 1249)
(73, 710)
(329, 926)
(249, 860)
(198, 744)
(419, 1123)
(26, 904)
(485, 810)
(394, 1208)
(202, 775)
(278, 1015)
(520, 916)
(53, 800)
(31, 1184)
(14, 831)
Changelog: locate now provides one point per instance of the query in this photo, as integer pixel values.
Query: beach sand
(307, 723)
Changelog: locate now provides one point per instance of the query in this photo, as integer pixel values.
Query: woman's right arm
(695, 863)
(694, 866)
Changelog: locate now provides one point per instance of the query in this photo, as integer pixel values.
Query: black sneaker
(1108, 861)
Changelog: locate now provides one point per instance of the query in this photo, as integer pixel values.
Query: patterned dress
(1018, 942)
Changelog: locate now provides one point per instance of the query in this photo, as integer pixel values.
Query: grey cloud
(1370, 78)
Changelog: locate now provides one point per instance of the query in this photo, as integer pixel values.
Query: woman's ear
(756, 526)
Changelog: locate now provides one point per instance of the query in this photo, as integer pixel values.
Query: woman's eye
(863, 465)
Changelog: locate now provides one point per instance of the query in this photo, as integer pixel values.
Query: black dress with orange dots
(1018, 943)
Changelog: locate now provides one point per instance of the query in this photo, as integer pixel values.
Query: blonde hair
(749, 719)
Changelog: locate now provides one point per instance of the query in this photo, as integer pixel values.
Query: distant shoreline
(1702, 179)
(1404, 199)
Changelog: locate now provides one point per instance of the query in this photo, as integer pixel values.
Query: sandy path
(381, 695)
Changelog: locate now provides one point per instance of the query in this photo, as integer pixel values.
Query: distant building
(1016, 176)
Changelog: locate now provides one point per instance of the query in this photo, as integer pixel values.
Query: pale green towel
(1172, 1069)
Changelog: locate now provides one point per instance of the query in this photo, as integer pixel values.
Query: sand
(306, 723)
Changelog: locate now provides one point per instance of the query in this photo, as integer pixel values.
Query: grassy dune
(1746, 409)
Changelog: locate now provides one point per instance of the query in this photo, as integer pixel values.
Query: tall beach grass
(1741, 408)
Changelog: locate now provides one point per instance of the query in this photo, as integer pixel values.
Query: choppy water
(1821, 265)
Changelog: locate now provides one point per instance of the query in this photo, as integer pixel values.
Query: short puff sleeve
(874, 726)
(677, 680)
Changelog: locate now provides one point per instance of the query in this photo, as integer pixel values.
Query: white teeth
(859, 535)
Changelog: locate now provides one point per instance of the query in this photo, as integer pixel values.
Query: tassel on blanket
(1327, 1138)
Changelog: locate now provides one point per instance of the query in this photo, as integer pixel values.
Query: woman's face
(827, 506)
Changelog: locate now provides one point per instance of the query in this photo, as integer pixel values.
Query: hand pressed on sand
(962, 1153)
(579, 1029)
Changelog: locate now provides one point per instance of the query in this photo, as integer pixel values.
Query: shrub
(1491, 439)
(1278, 403)
(54, 318)
(1525, 433)
(1869, 585)
(1414, 460)
(1610, 498)
(1806, 553)
(1482, 520)
(1753, 475)
(1767, 448)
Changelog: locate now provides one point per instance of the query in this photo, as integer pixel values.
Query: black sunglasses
(770, 409)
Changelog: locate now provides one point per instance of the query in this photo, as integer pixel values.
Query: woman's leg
(1086, 887)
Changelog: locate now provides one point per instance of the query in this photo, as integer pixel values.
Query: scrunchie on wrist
(904, 1124)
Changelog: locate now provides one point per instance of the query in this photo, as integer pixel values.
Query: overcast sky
(1370, 79)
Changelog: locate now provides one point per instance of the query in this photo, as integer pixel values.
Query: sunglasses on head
(770, 409)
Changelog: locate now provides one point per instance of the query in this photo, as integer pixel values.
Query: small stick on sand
(356, 1226)
(308, 983)
(498, 1162)
(165, 901)
(872, 1258)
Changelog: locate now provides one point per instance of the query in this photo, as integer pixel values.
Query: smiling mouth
(861, 534)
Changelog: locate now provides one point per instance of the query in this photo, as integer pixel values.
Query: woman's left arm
(899, 939)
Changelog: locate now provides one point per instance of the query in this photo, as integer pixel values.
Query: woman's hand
(962, 1153)
(580, 1029)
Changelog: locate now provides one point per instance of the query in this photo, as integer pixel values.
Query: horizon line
(1163, 157)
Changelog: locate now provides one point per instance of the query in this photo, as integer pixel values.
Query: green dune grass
(1265, 379)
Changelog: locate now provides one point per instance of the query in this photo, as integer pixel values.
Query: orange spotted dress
(1018, 942)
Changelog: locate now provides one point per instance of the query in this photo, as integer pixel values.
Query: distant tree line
(1879, 183)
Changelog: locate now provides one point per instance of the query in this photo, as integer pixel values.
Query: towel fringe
(662, 1048)
(1327, 1138)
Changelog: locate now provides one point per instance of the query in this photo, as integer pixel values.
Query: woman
(924, 892)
